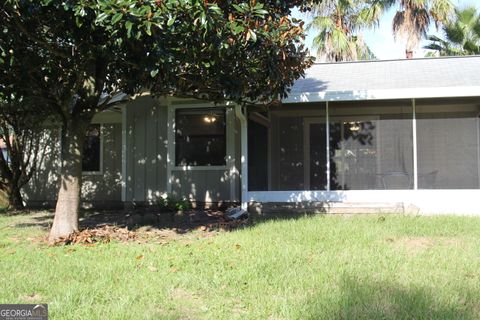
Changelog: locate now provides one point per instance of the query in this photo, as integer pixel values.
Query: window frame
(100, 171)
(206, 110)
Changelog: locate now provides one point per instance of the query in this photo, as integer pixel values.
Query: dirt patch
(419, 244)
(29, 298)
(191, 304)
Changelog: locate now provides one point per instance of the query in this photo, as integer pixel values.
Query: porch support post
(244, 154)
(327, 130)
(232, 169)
(124, 153)
(414, 133)
(170, 144)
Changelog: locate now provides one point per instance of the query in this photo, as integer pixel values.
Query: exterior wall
(146, 150)
(146, 128)
(150, 157)
(98, 189)
(205, 185)
(106, 187)
(43, 187)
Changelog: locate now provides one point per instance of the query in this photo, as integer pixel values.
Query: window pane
(448, 145)
(371, 145)
(200, 137)
(91, 149)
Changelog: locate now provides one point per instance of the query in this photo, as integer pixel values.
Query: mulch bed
(145, 226)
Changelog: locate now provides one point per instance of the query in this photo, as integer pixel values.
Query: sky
(381, 41)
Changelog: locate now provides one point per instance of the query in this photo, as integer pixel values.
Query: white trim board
(459, 201)
(384, 94)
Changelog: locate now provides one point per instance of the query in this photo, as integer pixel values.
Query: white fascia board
(384, 94)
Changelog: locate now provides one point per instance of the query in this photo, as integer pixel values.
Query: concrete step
(333, 207)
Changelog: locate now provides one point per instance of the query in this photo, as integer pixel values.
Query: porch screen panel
(371, 145)
(448, 145)
(257, 156)
(289, 154)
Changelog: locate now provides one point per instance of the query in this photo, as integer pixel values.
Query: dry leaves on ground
(102, 234)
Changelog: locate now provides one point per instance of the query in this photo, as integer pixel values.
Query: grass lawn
(318, 267)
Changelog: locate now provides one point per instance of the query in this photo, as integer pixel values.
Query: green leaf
(153, 73)
(129, 26)
(171, 21)
(253, 35)
(102, 16)
(148, 28)
(117, 17)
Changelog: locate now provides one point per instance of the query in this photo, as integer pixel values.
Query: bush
(171, 204)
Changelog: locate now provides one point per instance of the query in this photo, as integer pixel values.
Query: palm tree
(338, 23)
(462, 35)
(412, 20)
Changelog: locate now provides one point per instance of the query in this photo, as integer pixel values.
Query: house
(377, 136)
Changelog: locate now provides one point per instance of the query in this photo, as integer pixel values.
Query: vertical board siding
(202, 185)
(104, 186)
(107, 185)
(146, 150)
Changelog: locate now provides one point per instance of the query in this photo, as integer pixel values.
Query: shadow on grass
(151, 219)
(362, 298)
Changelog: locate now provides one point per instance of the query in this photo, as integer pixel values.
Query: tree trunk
(409, 54)
(15, 199)
(68, 201)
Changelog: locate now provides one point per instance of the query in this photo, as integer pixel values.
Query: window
(92, 149)
(200, 137)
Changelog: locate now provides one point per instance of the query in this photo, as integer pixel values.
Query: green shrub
(172, 204)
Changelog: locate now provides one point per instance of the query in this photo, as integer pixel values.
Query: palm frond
(462, 34)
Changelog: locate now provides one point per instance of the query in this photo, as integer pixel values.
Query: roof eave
(384, 94)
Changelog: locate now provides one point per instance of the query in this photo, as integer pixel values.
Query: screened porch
(365, 145)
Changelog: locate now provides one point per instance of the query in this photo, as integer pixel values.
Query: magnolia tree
(86, 51)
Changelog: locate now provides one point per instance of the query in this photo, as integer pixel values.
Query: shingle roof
(355, 80)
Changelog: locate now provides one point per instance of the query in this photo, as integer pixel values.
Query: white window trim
(99, 172)
(172, 147)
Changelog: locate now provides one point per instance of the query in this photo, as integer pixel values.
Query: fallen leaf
(152, 268)
(140, 257)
